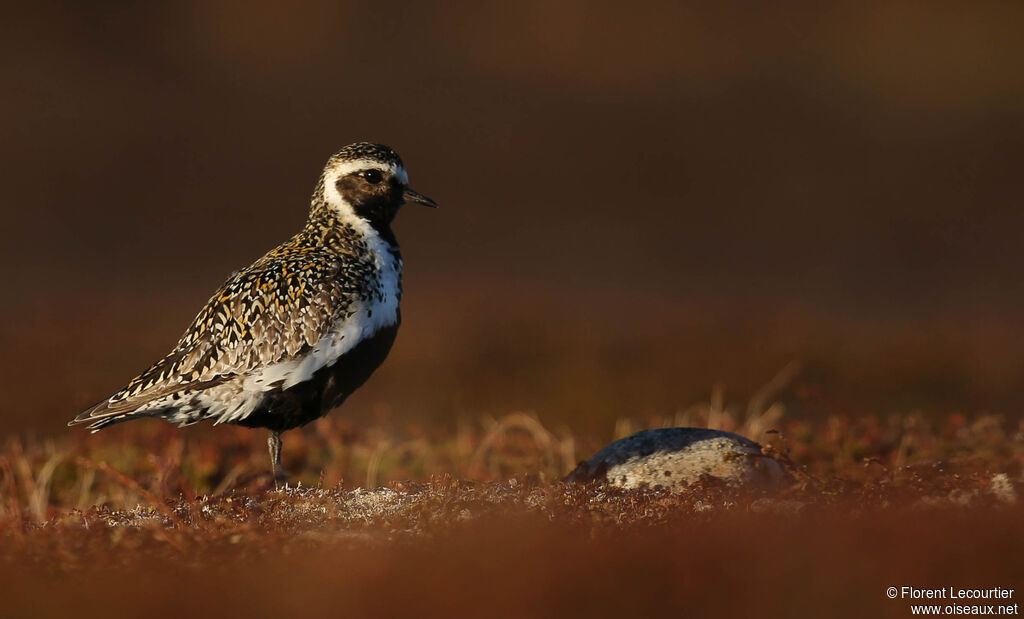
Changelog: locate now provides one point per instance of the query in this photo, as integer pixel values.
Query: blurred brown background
(638, 202)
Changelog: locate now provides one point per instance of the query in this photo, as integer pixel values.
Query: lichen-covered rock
(677, 457)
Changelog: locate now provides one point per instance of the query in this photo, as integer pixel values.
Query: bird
(290, 337)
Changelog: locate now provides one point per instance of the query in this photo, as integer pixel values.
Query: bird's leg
(274, 444)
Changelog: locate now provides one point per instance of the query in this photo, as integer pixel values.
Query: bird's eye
(372, 176)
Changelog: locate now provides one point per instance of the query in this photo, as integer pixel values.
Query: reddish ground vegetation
(152, 521)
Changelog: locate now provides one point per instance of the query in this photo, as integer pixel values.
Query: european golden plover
(291, 336)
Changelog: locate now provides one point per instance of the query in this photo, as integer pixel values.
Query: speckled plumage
(290, 336)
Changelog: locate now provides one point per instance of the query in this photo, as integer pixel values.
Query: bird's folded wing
(268, 313)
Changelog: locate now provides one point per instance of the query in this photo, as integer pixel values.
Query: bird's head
(368, 181)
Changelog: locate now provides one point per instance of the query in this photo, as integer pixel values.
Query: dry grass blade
(373, 466)
(39, 496)
(543, 439)
(12, 510)
(135, 486)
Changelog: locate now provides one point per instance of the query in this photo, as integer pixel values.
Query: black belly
(311, 399)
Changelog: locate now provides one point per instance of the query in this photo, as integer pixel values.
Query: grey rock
(676, 457)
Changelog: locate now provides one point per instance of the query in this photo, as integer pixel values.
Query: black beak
(418, 198)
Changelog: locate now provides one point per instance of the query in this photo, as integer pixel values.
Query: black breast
(311, 399)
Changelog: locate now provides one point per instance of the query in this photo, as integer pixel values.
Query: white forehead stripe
(347, 167)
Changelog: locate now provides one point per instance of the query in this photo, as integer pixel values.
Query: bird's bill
(418, 198)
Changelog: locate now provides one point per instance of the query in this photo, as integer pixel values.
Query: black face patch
(377, 202)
